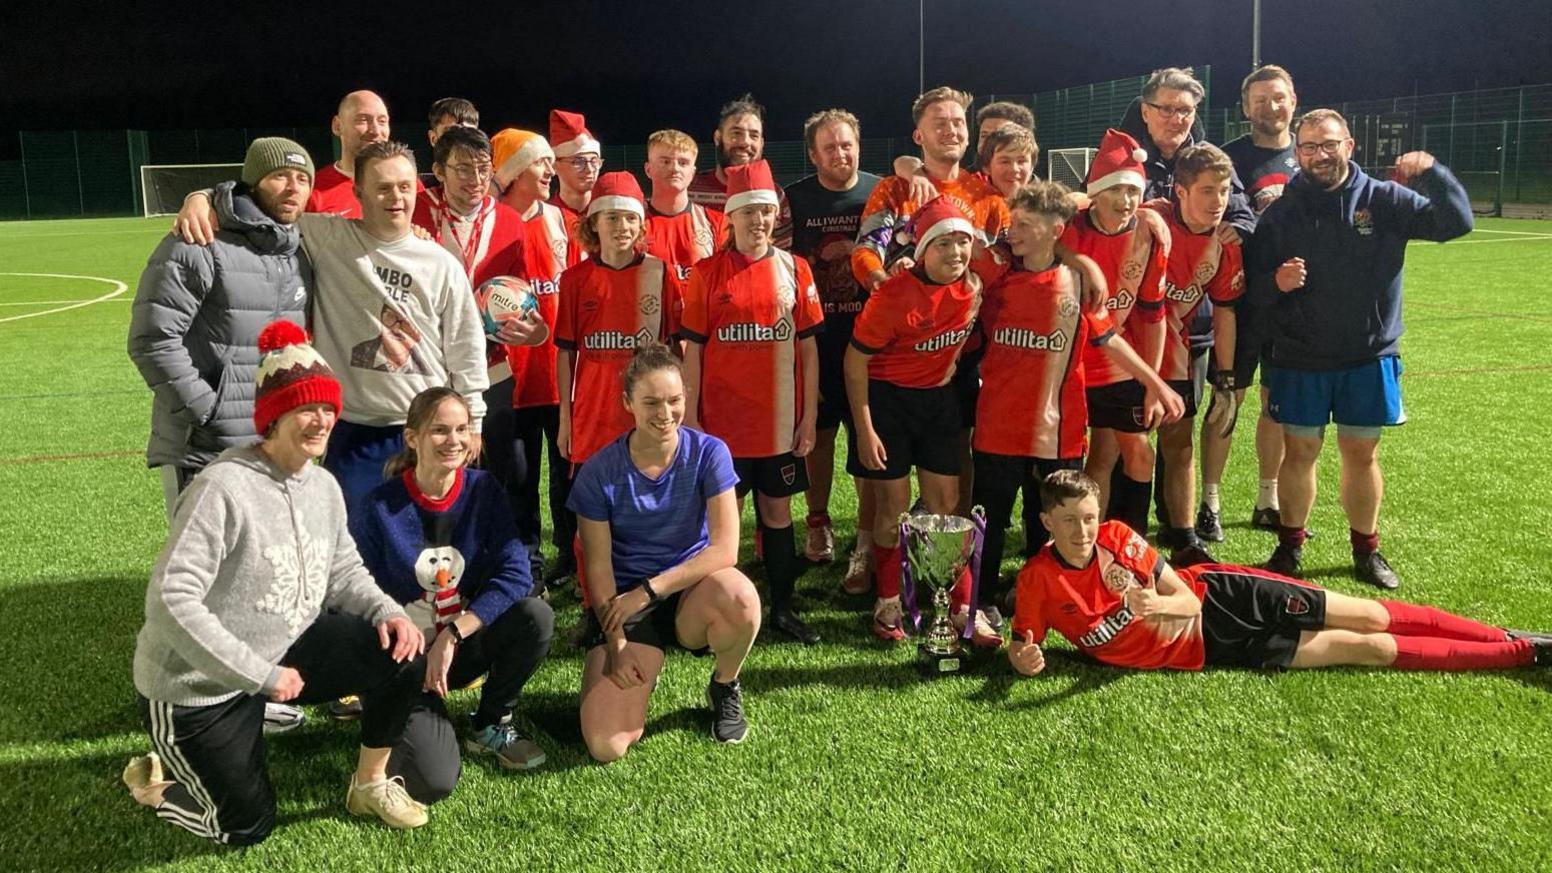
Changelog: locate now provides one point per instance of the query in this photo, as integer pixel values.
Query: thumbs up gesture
(1025, 655)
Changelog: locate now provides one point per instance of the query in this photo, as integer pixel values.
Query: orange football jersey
(749, 318)
(605, 314)
(1199, 266)
(1087, 605)
(1032, 402)
(915, 330)
(890, 208)
(1133, 262)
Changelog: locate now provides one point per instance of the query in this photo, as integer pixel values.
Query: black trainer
(787, 621)
(1375, 570)
(727, 711)
(1190, 555)
(1285, 560)
(1532, 636)
(1266, 518)
(1208, 525)
(1543, 649)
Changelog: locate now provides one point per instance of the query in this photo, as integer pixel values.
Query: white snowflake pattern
(296, 593)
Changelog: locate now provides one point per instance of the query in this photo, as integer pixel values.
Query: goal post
(163, 186)
(1071, 166)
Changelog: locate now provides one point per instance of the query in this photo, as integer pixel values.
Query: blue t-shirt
(655, 523)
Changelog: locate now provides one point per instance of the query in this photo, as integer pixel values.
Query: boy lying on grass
(1107, 591)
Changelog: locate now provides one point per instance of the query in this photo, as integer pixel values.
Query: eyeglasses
(1330, 147)
(582, 163)
(480, 172)
(1180, 112)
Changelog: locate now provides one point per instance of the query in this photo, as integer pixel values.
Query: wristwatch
(646, 585)
(455, 633)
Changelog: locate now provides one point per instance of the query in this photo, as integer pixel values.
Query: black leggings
(510, 650)
(215, 754)
(532, 426)
(998, 479)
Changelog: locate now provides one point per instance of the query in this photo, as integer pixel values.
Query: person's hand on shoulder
(196, 220)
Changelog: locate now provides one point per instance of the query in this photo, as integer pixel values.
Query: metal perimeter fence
(1498, 141)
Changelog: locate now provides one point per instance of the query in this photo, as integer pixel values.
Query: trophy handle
(978, 536)
(907, 581)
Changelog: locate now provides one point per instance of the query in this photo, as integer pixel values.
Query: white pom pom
(1139, 155)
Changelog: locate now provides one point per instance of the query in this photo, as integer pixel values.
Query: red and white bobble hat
(1119, 162)
(749, 184)
(513, 151)
(618, 190)
(937, 217)
(291, 374)
(569, 134)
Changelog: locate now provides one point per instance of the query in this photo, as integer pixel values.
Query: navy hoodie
(1353, 241)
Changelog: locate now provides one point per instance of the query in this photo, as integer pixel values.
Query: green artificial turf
(853, 762)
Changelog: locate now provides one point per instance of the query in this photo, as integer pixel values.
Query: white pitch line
(56, 302)
(118, 288)
(1478, 242)
(1519, 232)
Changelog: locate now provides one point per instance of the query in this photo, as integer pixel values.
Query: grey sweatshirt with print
(255, 554)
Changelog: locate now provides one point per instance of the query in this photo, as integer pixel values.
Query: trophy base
(941, 663)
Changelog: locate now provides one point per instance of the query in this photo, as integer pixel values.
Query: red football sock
(959, 596)
(1364, 543)
(1416, 620)
(1292, 536)
(1432, 653)
(886, 570)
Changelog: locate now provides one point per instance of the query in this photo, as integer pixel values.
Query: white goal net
(1071, 166)
(163, 186)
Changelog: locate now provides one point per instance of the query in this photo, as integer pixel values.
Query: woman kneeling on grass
(235, 616)
(659, 528)
(440, 539)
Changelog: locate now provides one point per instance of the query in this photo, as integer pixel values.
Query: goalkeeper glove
(1223, 411)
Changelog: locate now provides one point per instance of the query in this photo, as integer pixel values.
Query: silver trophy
(935, 550)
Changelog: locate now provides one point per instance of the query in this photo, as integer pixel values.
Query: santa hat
(937, 217)
(513, 151)
(569, 134)
(1119, 162)
(291, 374)
(748, 184)
(618, 190)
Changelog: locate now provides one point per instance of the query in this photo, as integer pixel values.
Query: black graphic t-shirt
(1264, 171)
(824, 230)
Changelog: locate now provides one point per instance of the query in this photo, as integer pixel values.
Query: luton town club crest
(1363, 222)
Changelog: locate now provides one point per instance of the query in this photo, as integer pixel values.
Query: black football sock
(780, 565)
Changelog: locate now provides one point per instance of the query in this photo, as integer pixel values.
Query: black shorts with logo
(918, 426)
(777, 476)
(652, 626)
(1117, 406)
(1253, 618)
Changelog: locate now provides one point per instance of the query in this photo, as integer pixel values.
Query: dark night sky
(634, 67)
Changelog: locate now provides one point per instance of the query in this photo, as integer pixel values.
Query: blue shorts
(1365, 396)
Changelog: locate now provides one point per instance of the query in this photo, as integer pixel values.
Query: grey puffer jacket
(194, 329)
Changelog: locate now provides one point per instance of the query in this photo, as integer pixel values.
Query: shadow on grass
(73, 814)
(78, 683)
